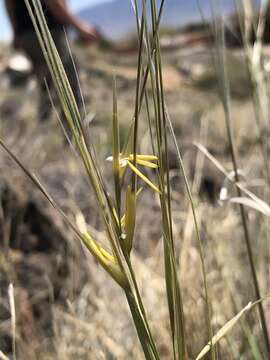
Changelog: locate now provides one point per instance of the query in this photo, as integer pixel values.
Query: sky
(75, 5)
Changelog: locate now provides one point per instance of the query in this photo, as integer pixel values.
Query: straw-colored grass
(118, 208)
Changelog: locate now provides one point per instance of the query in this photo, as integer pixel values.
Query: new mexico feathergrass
(119, 220)
(255, 65)
(224, 89)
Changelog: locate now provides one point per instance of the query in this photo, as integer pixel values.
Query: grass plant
(224, 88)
(118, 209)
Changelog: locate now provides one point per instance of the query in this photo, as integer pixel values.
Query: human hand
(88, 33)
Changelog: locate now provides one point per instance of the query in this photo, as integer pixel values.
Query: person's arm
(11, 14)
(10, 11)
(62, 13)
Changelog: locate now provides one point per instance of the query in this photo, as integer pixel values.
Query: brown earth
(66, 306)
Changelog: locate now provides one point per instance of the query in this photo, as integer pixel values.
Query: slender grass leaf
(228, 327)
(143, 177)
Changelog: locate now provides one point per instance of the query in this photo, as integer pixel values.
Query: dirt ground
(66, 306)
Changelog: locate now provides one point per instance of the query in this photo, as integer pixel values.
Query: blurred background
(66, 306)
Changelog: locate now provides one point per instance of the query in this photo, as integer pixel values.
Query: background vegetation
(66, 305)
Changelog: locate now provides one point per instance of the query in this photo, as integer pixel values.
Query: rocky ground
(66, 307)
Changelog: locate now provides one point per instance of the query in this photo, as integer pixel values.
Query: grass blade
(225, 96)
(116, 153)
(228, 327)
